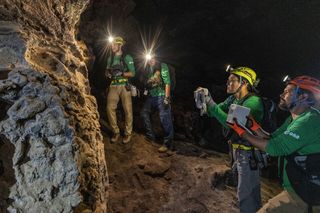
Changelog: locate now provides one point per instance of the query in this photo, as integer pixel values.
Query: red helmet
(307, 83)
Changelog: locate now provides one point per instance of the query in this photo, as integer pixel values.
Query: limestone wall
(52, 120)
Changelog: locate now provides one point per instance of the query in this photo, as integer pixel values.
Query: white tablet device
(238, 112)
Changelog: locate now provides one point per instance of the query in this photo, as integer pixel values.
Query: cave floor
(143, 180)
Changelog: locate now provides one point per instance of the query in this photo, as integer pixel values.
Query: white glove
(207, 96)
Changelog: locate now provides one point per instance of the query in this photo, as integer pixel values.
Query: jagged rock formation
(52, 120)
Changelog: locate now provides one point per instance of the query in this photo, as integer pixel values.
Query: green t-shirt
(220, 111)
(300, 135)
(128, 66)
(165, 78)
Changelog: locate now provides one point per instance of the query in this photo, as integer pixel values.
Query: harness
(122, 62)
(243, 147)
(121, 80)
(237, 142)
(123, 66)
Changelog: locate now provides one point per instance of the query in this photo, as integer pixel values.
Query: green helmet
(246, 73)
(119, 40)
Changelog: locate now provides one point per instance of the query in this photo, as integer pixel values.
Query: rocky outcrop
(52, 120)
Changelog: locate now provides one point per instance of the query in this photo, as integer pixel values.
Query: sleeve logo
(292, 134)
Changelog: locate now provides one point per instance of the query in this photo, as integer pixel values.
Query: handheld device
(238, 112)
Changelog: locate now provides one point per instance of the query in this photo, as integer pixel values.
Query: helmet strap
(296, 102)
(239, 88)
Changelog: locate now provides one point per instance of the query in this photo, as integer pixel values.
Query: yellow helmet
(119, 40)
(246, 73)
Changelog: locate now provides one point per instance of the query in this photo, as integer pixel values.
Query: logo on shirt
(292, 134)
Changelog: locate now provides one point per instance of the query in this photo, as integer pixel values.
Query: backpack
(304, 175)
(269, 120)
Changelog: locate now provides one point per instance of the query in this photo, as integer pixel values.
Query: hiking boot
(115, 138)
(126, 139)
(163, 149)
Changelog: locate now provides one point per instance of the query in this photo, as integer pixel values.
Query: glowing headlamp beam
(148, 56)
(110, 39)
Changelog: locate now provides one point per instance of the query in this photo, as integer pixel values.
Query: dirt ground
(143, 180)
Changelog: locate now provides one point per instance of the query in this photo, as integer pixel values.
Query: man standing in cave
(158, 84)
(241, 85)
(120, 68)
(296, 143)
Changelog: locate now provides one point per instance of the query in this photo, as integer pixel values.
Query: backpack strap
(122, 61)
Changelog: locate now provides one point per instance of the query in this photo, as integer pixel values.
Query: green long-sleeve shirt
(165, 78)
(300, 135)
(128, 66)
(220, 111)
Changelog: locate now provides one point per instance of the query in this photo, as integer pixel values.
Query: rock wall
(52, 121)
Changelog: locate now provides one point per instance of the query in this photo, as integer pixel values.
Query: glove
(240, 130)
(166, 102)
(204, 92)
(252, 124)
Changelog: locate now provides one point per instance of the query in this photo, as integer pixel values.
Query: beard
(283, 105)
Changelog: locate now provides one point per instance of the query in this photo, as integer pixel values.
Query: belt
(122, 80)
(243, 147)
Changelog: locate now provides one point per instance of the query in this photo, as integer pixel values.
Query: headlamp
(286, 79)
(148, 56)
(110, 39)
(229, 68)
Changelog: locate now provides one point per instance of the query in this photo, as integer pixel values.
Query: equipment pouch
(304, 176)
(134, 90)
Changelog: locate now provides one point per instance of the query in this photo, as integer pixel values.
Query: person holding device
(297, 144)
(241, 85)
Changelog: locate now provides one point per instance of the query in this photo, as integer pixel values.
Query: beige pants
(286, 202)
(115, 93)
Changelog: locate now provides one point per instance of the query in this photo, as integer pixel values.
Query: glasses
(232, 81)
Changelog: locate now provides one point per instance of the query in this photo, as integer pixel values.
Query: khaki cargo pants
(115, 93)
(287, 202)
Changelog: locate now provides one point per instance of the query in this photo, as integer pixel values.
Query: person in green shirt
(120, 69)
(240, 85)
(158, 85)
(300, 133)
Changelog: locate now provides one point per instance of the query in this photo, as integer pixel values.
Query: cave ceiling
(201, 37)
